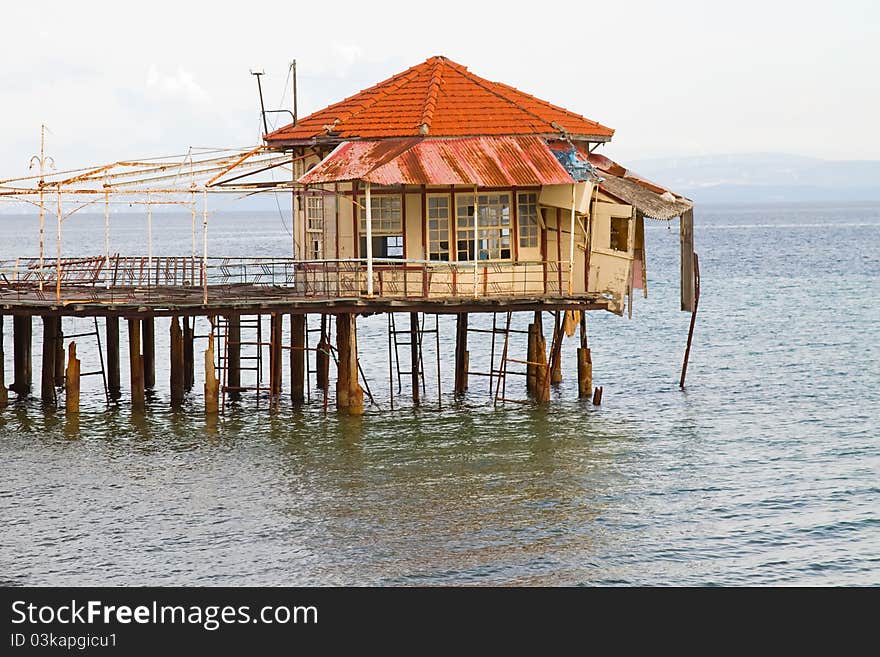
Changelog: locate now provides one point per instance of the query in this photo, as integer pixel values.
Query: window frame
(502, 224)
(381, 225)
(440, 232)
(527, 221)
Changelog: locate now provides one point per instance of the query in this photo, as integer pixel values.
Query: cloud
(180, 85)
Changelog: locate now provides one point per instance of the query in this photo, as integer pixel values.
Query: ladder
(249, 361)
(89, 334)
(412, 337)
(500, 394)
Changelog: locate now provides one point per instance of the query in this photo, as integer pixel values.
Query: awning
(480, 161)
(648, 197)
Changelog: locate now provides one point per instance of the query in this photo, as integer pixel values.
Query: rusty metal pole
(58, 251)
(687, 351)
(369, 225)
(414, 353)
(4, 395)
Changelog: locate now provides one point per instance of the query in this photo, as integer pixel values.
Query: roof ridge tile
(431, 97)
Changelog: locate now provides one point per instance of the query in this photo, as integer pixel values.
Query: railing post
(205, 247)
(369, 223)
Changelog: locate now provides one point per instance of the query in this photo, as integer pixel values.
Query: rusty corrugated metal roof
(481, 161)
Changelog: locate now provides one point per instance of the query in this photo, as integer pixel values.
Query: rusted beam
(4, 395)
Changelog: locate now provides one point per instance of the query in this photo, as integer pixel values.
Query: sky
(115, 80)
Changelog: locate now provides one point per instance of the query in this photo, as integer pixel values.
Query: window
(527, 219)
(619, 233)
(387, 229)
(386, 214)
(315, 227)
(438, 228)
(493, 238)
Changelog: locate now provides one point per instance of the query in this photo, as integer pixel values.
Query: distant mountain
(764, 177)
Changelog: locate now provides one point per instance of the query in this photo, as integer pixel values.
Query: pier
(416, 217)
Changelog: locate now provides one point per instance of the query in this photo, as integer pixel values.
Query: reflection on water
(763, 471)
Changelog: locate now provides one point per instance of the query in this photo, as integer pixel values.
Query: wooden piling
(72, 381)
(585, 373)
(597, 396)
(21, 344)
(176, 376)
(189, 369)
(531, 357)
(349, 394)
(4, 395)
(585, 363)
(556, 356)
(114, 388)
(149, 351)
(297, 359)
(212, 385)
(275, 332)
(233, 356)
(322, 357)
(47, 379)
(59, 353)
(461, 353)
(542, 369)
(414, 353)
(136, 365)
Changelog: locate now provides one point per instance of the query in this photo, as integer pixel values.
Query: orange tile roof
(439, 98)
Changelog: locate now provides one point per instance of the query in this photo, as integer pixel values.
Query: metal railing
(310, 279)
